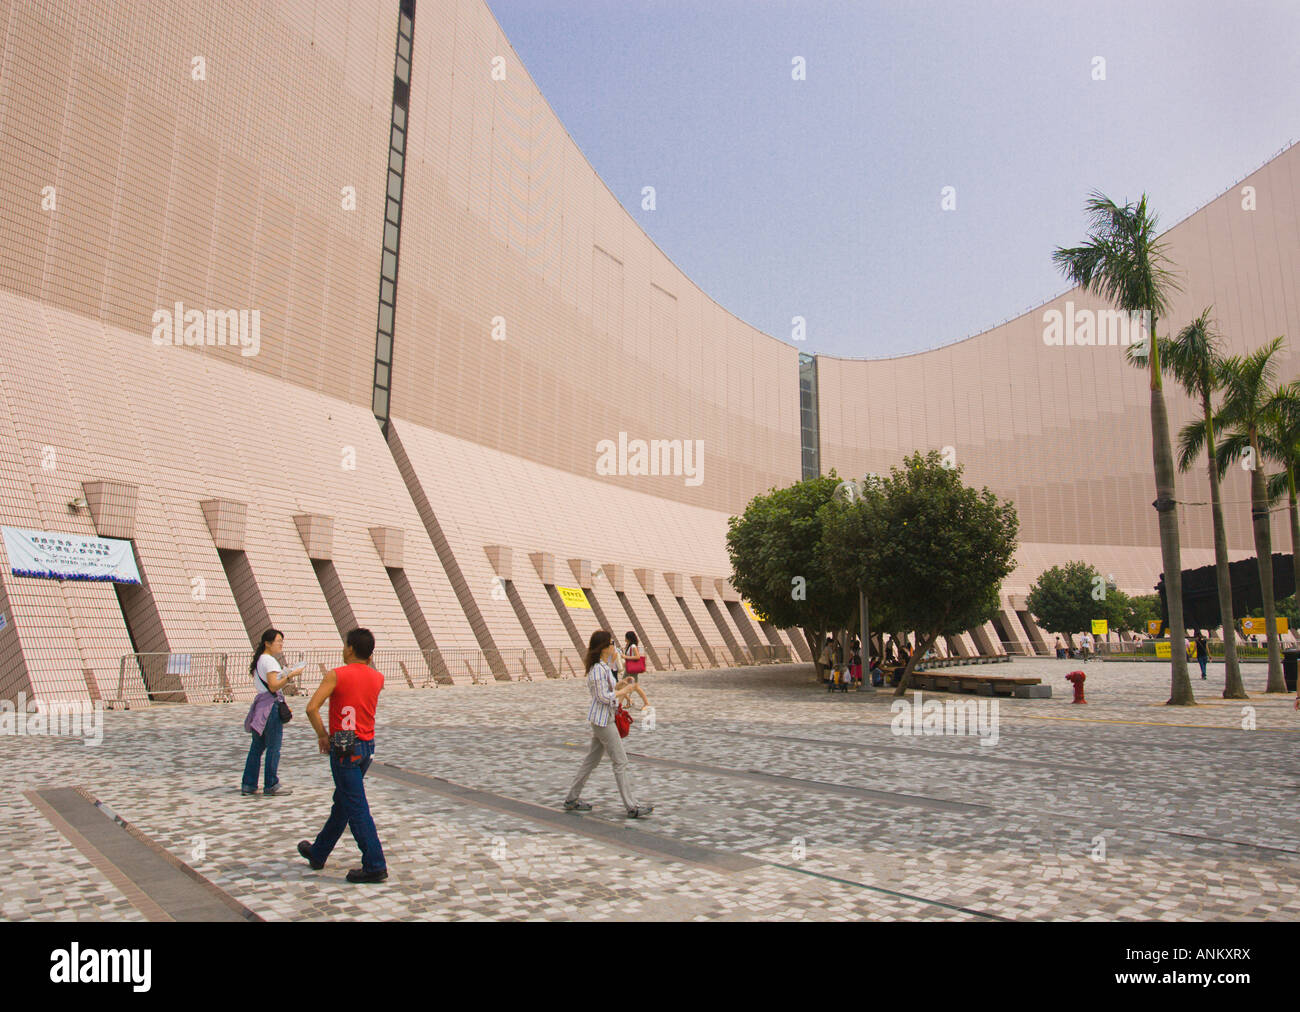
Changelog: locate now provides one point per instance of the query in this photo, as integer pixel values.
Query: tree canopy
(930, 551)
(776, 560)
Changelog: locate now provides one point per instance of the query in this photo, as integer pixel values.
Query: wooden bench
(983, 685)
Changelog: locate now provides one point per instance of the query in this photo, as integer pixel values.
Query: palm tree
(1249, 405)
(1193, 359)
(1124, 262)
(1281, 441)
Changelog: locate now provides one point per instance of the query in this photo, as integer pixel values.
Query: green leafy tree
(1194, 360)
(1249, 402)
(1123, 261)
(1139, 610)
(1065, 599)
(931, 551)
(776, 561)
(1115, 609)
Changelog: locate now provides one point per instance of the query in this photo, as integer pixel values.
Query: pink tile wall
(504, 218)
(224, 192)
(184, 429)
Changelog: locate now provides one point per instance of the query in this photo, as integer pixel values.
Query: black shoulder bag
(286, 714)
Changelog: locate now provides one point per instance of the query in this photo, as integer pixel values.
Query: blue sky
(821, 198)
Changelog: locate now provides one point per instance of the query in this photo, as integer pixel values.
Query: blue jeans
(268, 741)
(1201, 659)
(351, 810)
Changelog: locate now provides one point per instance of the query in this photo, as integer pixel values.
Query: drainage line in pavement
(891, 892)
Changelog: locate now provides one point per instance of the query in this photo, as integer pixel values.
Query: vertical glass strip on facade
(808, 423)
(381, 402)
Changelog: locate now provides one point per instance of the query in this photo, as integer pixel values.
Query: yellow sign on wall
(752, 612)
(573, 597)
(1099, 627)
(1153, 627)
(1164, 650)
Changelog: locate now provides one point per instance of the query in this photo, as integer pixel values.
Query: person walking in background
(606, 697)
(1202, 651)
(633, 659)
(263, 721)
(353, 694)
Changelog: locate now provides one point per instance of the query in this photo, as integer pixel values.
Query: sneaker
(577, 806)
(361, 875)
(640, 810)
(277, 790)
(247, 793)
(304, 848)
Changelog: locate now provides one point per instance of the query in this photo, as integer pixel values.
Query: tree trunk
(922, 646)
(1180, 686)
(816, 640)
(1264, 556)
(1232, 684)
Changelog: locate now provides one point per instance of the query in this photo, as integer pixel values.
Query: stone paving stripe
(157, 884)
(1151, 723)
(617, 835)
(821, 786)
(908, 750)
(147, 907)
(890, 892)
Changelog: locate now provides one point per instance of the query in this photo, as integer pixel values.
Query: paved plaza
(774, 800)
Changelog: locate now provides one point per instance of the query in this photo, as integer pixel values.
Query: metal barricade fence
(214, 676)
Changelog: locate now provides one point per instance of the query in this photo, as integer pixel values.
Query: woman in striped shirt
(606, 697)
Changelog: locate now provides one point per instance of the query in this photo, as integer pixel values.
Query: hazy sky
(821, 198)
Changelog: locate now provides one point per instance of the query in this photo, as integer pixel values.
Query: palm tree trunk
(1264, 556)
(1295, 516)
(1180, 686)
(1232, 684)
(1295, 513)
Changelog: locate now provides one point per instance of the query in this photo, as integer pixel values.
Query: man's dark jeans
(351, 810)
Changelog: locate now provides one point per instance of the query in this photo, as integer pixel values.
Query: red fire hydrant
(1077, 678)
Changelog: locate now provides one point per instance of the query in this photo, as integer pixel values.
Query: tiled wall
(100, 402)
(224, 192)
(504, 218)
(485, 497)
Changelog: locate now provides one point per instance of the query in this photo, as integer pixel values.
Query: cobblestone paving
(1121, 809)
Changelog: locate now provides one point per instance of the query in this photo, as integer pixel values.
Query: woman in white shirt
(606, 697)
(265, 714)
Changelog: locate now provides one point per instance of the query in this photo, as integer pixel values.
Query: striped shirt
(600, 680)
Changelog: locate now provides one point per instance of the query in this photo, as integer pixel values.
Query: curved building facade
(234, 237)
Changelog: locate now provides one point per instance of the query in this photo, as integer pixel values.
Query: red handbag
(635, 666)
(622, 721)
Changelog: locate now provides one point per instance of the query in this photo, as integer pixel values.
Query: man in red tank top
(353, 694)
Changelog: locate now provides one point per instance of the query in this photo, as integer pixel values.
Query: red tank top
(355, 696)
